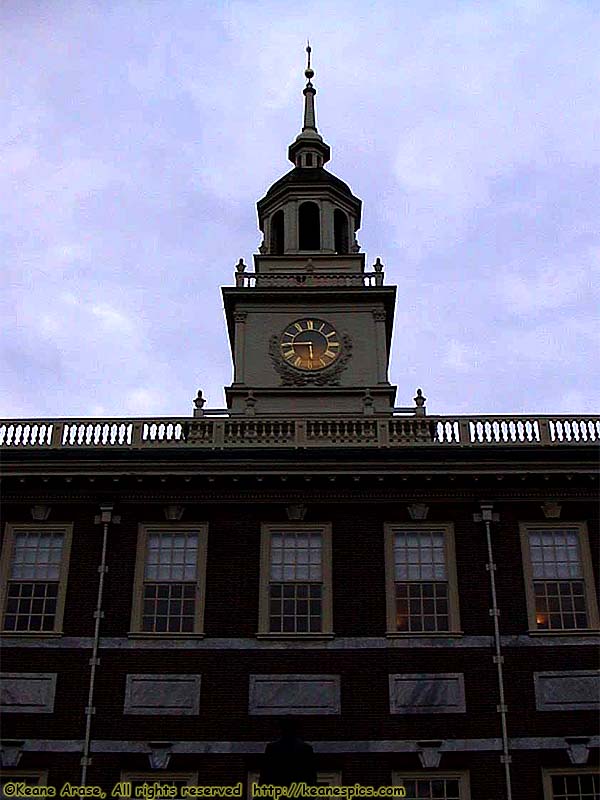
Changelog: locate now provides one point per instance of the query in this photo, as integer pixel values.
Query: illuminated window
(440, 786)
(558, 577)
(295, 580)
(35, 561)
(170, 579)
(421, 579)
(572, 784)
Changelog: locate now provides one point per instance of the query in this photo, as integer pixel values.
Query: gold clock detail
(310, 344)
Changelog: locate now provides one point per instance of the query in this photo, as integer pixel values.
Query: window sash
(558, 577)
(169, 778)
(420, 555)
(572, 784)
(324, 778)
(295, 585)
(442, 785)
(421, 593)
(33, 577)
(422, 607)
(170, 580)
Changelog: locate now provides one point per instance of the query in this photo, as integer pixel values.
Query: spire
(309, 95)
(309, 149)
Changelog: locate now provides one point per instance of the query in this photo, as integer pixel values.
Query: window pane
(576, 787)
(555, 554)
(31, 604)
(295, 608)
(37, 554)
(163, 609)
(431, 788)
(555, 603)
(419, 555)
(296, 556)
(421, 606)
(171, 551)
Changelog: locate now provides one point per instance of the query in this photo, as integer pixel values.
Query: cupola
(309, 211)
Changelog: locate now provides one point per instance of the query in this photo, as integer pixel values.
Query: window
(558, 577)
(421, 579)
(309, 224)
(323, 779)
(137, 779)
(441, 786)
(572, 784)
(309, 160)
(34, 577)
(295, 579)
(170, 579)
(29, 778)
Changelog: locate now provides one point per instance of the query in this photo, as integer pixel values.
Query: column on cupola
(290, 216)
(327, 237)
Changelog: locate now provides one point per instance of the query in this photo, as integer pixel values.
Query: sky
(137, 135)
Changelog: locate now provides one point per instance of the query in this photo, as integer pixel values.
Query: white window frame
(158, 776)
(267, 530)
(8, 549)
(390, 530)
(462, 777)
(548, 773)
(9, 776)
(324, 777)
(144, 530)
(587, 577)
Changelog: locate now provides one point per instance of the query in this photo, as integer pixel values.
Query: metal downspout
(487, 516)
(105, 518)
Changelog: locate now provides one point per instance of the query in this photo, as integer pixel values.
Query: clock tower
(310, 328)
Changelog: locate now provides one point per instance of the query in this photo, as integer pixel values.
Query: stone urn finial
(419, 401)
(199, 403)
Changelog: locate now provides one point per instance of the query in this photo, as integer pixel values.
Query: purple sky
(136, 138)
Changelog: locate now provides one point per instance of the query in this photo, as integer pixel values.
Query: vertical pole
(487, 517)
(105, 517)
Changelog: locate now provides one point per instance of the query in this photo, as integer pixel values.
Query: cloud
(550, 286)
(460, 356)
(137, 138)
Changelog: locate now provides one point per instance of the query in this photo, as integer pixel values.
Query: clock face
(310, 344)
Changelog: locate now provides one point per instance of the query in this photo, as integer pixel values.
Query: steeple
(309, 150)
(310, 329)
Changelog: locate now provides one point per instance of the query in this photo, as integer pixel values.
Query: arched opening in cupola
(340, 231)
(277, 233)
(309, 227)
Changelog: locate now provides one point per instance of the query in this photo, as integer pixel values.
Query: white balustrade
(218, 431)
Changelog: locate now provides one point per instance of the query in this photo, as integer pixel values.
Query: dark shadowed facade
(420, 591)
